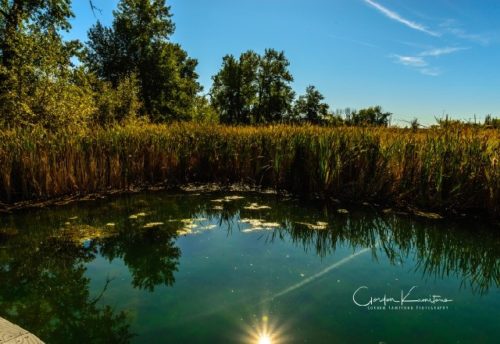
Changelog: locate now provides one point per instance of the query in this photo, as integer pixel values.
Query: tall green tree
(253, 89)
(275, 95)
(138, 43)
(309, 107)
(234, 90)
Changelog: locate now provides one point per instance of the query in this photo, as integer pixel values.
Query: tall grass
(454, 169)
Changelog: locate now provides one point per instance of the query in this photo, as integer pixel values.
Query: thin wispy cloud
(423, 61)
(412, 61)
(395, 16)
(420, 61)
(451, 27)
(441, 51)
(476, 38)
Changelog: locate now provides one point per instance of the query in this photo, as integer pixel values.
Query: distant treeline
(132, 71)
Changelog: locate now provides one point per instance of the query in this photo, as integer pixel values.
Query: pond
(163, 267)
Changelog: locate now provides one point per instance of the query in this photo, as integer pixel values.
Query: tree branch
(94, 8)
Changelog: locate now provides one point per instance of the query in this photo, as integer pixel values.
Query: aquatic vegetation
(255, 206)
(153, 224)
(319, 225)
(428, 215)
(207, 227)
(79, 234)
(136, 216)
(185, 231)
(227, 199)
(441, 170)
(258, 225)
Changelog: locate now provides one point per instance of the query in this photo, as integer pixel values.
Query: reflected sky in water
(244, 268)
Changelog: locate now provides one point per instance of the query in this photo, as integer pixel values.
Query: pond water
(245, 268)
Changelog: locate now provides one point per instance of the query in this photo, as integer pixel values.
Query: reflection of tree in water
(42, 274)
(150, 255)
(440, 249)
(43, 288)
(42, 271)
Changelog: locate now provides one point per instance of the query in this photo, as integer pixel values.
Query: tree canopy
(138, 43)
(38, 82)
(309, 107)
(254, 88)
(370, 116)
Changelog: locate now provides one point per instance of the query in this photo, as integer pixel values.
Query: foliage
(138, 42)
(447, 122)
(38, 83)
(275, 93)
(310, 108)
(235, 88)
(116, 105)
(373, 116)
(492, 122)
(253, 89)
(204, 112)
(46, 16)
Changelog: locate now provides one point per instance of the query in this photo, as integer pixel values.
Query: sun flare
(264, 339)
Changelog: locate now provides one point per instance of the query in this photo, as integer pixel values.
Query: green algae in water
(180, 268)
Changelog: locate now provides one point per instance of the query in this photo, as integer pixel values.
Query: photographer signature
(360, 299)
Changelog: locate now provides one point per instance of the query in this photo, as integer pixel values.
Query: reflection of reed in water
(440, 249)
(33, 260)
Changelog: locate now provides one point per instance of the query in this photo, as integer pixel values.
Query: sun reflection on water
(264, 339)
(264, 332)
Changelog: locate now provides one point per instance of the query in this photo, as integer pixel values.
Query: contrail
(395, 16)
(281, 293)
(318, 275)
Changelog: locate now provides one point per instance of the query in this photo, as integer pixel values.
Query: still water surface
(245, 268)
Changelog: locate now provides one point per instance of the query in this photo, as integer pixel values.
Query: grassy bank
(440, 169)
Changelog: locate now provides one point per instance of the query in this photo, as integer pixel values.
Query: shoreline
(207, 188)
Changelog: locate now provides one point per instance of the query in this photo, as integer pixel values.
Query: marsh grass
(453, 169)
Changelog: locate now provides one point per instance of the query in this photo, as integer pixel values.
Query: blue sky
(416, 58)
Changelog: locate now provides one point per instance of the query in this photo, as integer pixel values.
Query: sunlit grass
(453, 169)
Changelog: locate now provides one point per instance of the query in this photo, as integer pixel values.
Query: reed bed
(452, 169)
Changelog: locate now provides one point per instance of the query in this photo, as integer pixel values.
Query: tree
(116, 104)
(138, 42)
(309, 107)
(492, 122)
(275, 94)
(40, 15)
(38, 83)
(370, 116)
(253, 89)
(234, 90)
(204, 111)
